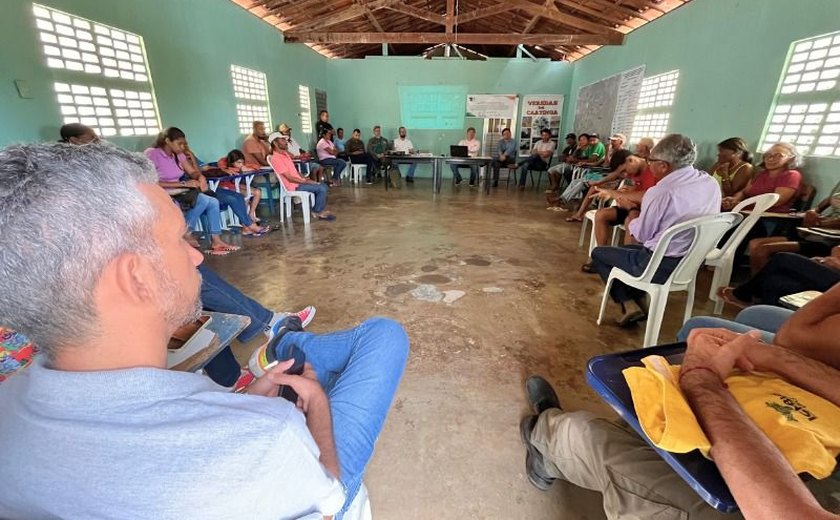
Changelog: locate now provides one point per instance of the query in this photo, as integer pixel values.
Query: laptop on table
(458, 151)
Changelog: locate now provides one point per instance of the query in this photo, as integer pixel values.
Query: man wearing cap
(569, 151)
(284, 168)
(541, 153)
(255, 147)
(328, 155)
(312, 168)
(617, 141)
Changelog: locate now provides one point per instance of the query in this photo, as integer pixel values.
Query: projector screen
(433, 107)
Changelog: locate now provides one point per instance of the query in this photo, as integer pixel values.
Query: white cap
(275, 135)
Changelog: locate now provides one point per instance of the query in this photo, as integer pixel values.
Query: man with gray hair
(100, 424)
(682, 193)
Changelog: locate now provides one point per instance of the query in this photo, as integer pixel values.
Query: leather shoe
(533, 457)
(541, 395)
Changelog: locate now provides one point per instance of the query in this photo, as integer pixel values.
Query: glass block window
(305, 109)
(102, 72)
(656, 97)
(250, 88)
(108, 111)
(806, 111)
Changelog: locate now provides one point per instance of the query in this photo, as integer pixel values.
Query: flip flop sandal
(587, 268)
(228, 248)
(573, 219)
(327, 217)
(253, 235)
(631, 319)
(216, 252)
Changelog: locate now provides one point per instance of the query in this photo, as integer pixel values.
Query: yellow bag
(804, 426)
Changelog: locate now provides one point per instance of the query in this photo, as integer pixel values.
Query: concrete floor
(451, 447)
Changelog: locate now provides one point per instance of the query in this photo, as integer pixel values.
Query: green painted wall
(730, 54)
(363, 93)
(190, 46)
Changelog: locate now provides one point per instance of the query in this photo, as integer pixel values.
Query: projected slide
(433, 107)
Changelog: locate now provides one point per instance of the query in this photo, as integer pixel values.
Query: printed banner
(491, 106)
(538, 112)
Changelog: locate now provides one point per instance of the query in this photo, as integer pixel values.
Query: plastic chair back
(707, 230)
(760, 204)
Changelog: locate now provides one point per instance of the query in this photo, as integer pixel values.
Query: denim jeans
(765, 318)
(497, 164)
(412, 166)
(534, 162)
(205, 204)
(219, 296)
(360, 369)
(236, 202)
(320, 191)
(473, 172)
(338, 166)
(632, 259)
(786, 273)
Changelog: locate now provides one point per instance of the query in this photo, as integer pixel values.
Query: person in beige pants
(636, 483)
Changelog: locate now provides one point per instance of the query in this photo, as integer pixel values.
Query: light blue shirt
(339, 144)
(682, 195)
(506, 147)
(153, 443)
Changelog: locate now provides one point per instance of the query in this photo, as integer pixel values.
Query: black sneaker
(409, 180)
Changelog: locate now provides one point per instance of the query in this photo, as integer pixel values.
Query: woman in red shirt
(777, 176)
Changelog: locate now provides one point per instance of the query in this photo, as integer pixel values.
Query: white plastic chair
(707, 230)
(357, 172)
(723, 257)
(307, 199)
(589, 218)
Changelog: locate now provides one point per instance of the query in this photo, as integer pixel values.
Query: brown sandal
(727, 294)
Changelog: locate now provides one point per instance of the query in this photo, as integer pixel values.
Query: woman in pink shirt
(176, 171)
(778, 176)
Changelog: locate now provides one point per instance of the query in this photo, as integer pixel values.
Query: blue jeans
(360, 369)
(534, 162)
(412, 166)
(205, 204)
(632, 259)
(473, 172)
(338, 166)
(219, 296)
(766, 318)
(236, 202)
(320, 191)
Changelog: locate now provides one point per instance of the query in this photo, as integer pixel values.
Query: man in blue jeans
(682, 193)
(124, 433)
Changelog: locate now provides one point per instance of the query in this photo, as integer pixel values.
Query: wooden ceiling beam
(483, 12)
(450, 16)
(604, 14)
(552, 13)
(624, 10)
(354, 11)
(463, 38)
(422, 14)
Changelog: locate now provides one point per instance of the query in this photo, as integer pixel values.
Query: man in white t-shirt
(403, 144)
(473, 149)
(540, 157)
(100, 423)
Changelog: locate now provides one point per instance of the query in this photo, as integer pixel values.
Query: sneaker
(267, 353)
(458, 183)
(244, 381)
(306, 315)
(409, 179)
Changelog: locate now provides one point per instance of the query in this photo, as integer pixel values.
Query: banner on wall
(491, 106)
(538, 112)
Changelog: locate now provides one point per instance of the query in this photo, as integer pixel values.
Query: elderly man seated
(682, 193)
(608, 457)
(125, 434)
